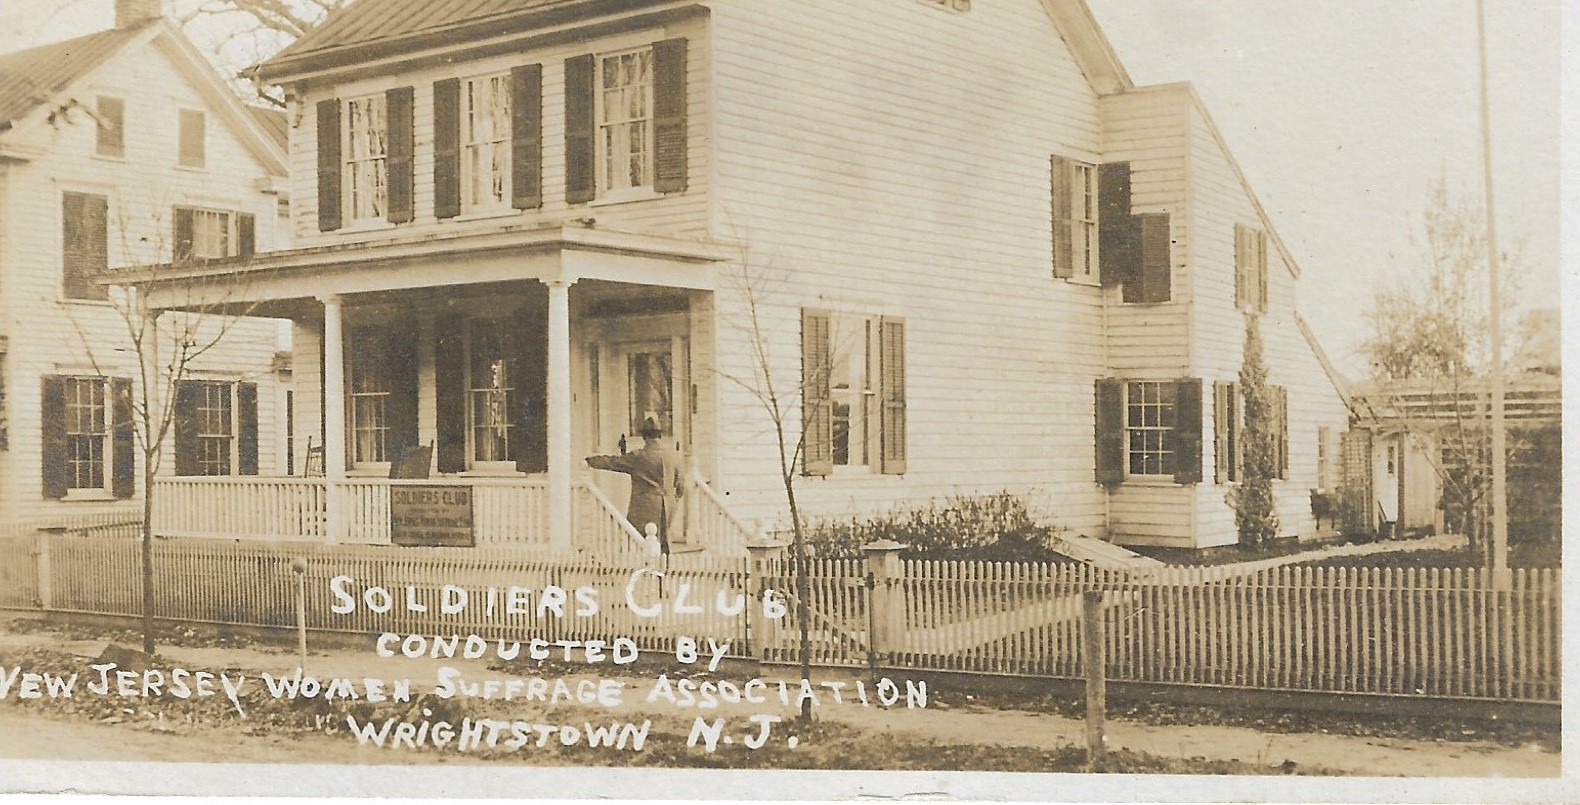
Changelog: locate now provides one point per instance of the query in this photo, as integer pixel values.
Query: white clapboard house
(119, 148)
(991, 261)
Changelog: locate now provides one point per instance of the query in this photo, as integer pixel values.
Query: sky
(1344, 115)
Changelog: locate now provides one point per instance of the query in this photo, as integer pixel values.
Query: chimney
(131, 12)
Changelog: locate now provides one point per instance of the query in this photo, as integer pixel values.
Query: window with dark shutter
(1186, 436)
(401, 144)
(447, 148)
(183, 233)
(450, 392)
(85, 245)
(1110, 430)
(1119, 253)
(891, 393)
(123, 459)
(193, 137)
(1061, 196)
(817, 414)
(1250, 269)
(55, 472)
(400, 367)
(247, 429)
(1226, 432)
(246, 234)
(188, 428)
(1154, 282)
(581, 158)
(669, 116)
(1281, 429)
(329, 166)
(526, 137)
(110, 126)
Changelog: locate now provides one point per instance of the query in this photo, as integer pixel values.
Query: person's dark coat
(657, 483)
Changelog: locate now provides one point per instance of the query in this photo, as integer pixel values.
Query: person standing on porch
(657, 481)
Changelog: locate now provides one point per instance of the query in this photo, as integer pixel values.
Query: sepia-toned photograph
(781, 399)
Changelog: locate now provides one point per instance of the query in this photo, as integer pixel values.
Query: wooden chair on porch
(313, 464)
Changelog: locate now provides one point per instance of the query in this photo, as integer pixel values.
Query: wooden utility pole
(1500, 512)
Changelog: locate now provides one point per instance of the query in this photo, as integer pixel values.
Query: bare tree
(167, 342)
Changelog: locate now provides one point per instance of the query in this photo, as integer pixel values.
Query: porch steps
(1099, 553)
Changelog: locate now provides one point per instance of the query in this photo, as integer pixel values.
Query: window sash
(854, 393)
(215, 429)
(485, 142)
(367, 151)
(1084, 220)
(371, 386)
(491, 392)
(86, 430)
(213, 234)
(625, 120)
(1149, 421)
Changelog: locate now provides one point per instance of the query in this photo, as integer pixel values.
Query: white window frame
(609, 137)
(365, 154)
(102, 436)
(477, 393)
(201, 238)
(369, 407)
(853, 358)
(218, 397)
(1160, 429)
(1084, 238)
(486, 135)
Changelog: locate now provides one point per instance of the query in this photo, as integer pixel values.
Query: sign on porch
(432, 516)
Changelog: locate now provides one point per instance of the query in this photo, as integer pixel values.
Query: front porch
(500, 361)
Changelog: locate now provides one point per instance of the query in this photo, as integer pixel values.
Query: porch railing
(602, 528)
(709, 523)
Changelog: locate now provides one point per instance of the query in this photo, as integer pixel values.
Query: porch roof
(513, 253)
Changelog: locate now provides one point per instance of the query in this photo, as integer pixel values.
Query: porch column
(334, 411)
(559, 400)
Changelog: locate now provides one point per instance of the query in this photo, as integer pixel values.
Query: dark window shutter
(246, 234)
(329, 165)
(110, 114)
(189, 395)
(1118, 251)
(1242, 255)
(669, 116)
(891, 393)
(56, 478)
(84, 245)
(581, 158)
(1261, 270)
(1281, 427)
(447, 148)
(817, 399)
(1061, 197)
(400, 143)
(1186, 435)
(123, 440)
(400, 367)
(450, 391)
(1110, 430)
(1153, 282)
(247, 429)
(181, 233)
(531, 445)
(526, 137)
(1224, 436)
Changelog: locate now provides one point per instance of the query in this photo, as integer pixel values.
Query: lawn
(1533, 554)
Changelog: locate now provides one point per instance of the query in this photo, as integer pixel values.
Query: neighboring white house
(988, 260)
(125, 147)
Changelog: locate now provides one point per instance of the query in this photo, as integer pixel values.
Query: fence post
(761, 558)
(46, 589)
(1096, 686)
(885, 599)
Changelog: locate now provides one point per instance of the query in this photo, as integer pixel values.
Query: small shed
(1392, 479)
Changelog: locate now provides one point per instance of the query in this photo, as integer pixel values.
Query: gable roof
(29, 78)
(368, 21)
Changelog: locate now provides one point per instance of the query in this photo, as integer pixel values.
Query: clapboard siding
(1220, 202)
(48, 335)
(889, 159)
(682, 213)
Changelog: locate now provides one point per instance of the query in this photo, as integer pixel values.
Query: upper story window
(1250, 269)
(192, 149)
(84, 244)
(207, 234)
(625, 120)
(366, 150)
(1074, 191)
(109, 116)
(485, 143)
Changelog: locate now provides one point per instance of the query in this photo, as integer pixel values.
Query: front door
(635, 381)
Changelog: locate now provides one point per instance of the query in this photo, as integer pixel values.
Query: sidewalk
(967, 724)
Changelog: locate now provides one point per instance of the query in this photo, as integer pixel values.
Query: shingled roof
(274, 123)
(28, 78)
(367, 22)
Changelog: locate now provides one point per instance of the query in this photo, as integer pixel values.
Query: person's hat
(651, 429)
